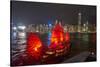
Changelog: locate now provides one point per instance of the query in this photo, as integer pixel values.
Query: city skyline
(45, 13)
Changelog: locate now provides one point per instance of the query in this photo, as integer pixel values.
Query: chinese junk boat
(59, 44)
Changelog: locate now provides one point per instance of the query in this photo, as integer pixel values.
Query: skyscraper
(79, 22)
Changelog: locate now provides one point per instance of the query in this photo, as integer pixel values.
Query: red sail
(34, 46)
(57, 36)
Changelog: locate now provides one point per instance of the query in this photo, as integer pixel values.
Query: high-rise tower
(79, 22)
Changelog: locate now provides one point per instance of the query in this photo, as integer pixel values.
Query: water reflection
(48, 38)
(80, 42)
(83, 42)
(85, 37)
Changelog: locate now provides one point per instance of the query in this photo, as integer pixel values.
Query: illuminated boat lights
(61, 50)
(50, 52)
(45, 56)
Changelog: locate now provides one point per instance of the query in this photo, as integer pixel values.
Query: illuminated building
(79, 22)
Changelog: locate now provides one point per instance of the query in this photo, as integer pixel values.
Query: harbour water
(80, 42)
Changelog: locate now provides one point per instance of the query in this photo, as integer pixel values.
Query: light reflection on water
(83, 42)
(83, 38)
(49, 36)
(79, 42)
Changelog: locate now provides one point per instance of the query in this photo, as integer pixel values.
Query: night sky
(37, 12)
